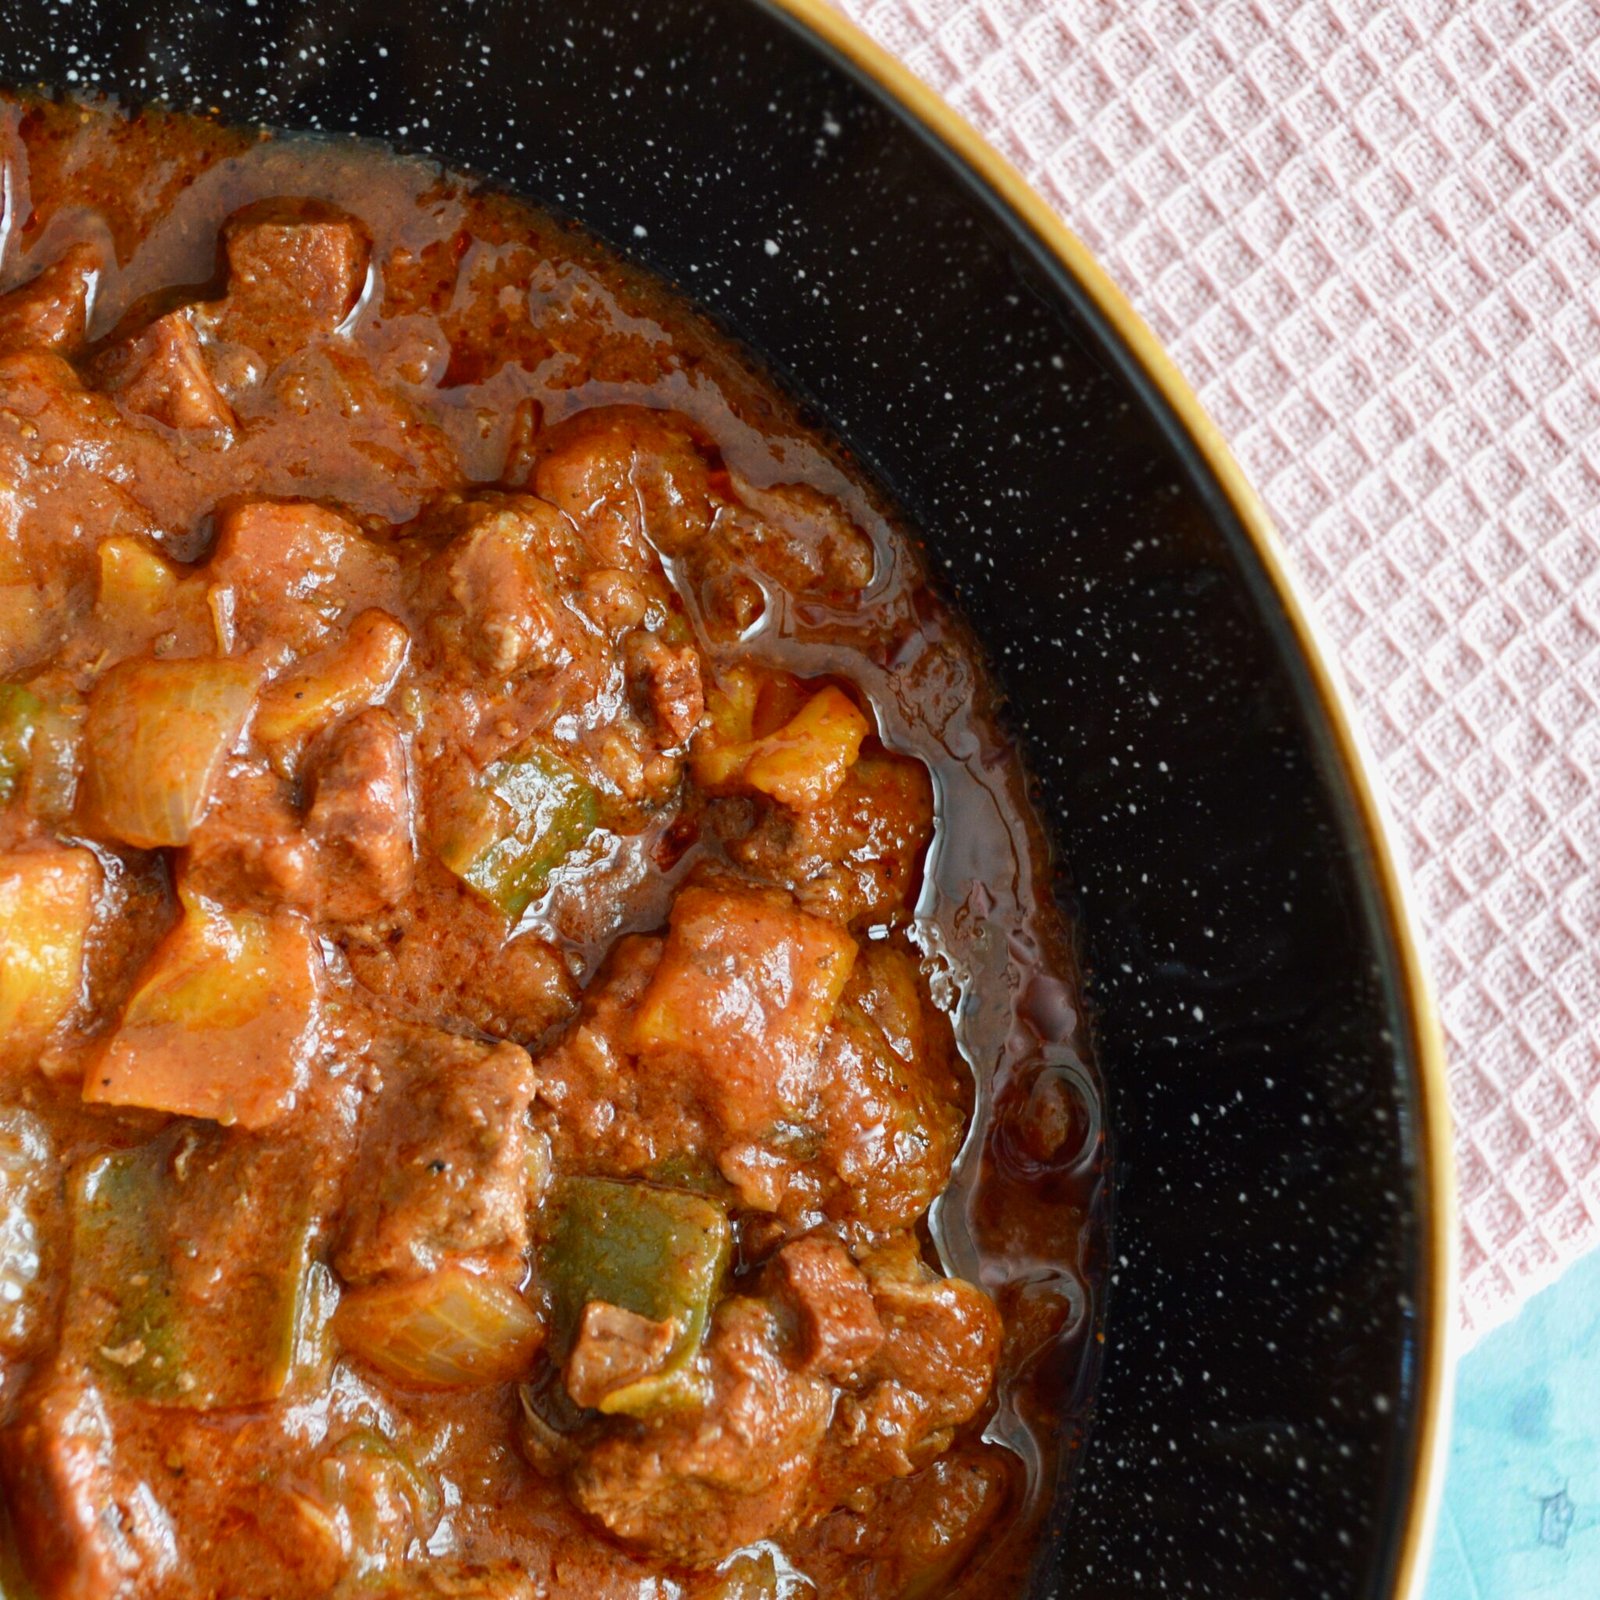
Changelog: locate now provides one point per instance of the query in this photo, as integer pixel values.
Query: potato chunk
(801, 763)
(47, 903)
(746, 988)
(358, 671)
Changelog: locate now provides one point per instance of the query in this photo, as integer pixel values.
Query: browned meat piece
(603, 1110)
(51, 310)
(667, 680)
(295, 270)
(284, 571)
(443, 951)
(932, 1374)
(89, 1529)
(161, 373)
(746, 988)
(500, 582)
(854, 857)
(614, 1348)
(693, 1485)
(57, 500)
(890, 1111)
(446, 1579)
(442, 1169)
(360, 816)
(249, 850)
(801, 539)
(910, 1536)
(864, 1134)
(634, 481)
(836, 1324)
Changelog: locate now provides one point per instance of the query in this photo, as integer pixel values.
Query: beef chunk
(692, 1485)
(161, 373)
(910, 1536)
(295, 270)
(351, 854)
(51, 310)
(90, 1528)
(769, 1444)
(500, 584)
(443, 951)
(360, 816)
(667, 680)
(745, 990)
(799, 537)
(837, 1326)
(890, 1111)
(614, 1348)
(932, 1374)
(285, 571)
(633, 480)
(855, 857)
(249, 850)
(863, 1132)
(442, 1169)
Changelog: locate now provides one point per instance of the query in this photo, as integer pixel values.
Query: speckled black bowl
(1275, 1318)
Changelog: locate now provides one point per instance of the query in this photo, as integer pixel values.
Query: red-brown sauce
(539, 1057)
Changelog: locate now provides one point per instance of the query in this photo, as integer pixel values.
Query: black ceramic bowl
(1269, 1413)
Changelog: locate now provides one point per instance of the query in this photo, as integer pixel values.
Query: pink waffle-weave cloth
(1368, 231)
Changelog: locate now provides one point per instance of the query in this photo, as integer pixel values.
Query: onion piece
(155, 739)
(47, 903)
(449, 1330)
(223, 1020)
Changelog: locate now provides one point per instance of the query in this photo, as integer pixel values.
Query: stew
(537, 1057)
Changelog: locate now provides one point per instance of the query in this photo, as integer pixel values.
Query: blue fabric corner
(1521, 1512)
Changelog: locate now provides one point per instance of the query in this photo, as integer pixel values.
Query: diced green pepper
(19, 716)
(659, 1253)
(526, 816)
(240, 1331)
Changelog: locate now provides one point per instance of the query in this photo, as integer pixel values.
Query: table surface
(1369, 233)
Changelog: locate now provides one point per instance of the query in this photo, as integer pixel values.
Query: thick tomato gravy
(537, 1057)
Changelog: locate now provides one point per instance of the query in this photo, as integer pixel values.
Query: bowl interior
(1257, 1423)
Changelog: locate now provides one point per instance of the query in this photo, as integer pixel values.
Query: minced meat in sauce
(536, 1053)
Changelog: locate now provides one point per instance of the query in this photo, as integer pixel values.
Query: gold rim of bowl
(1435, 1186)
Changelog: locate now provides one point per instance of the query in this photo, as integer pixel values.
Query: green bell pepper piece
(19, 716)
(660, 1253)
(146, 1330)
(527, 815)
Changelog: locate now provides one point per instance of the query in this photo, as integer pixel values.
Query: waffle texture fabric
(1368, 231)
